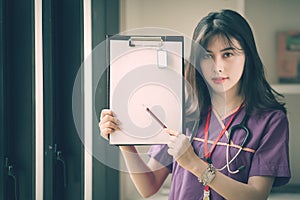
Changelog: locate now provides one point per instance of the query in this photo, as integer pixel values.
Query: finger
(171, 144)
(172, 138)
(109, 124)
(105, 112)
(171, 132)
(109, 118)
(183, 137)
(106, 132)
(171, 152)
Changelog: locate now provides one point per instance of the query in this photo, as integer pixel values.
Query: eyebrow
(225, 49)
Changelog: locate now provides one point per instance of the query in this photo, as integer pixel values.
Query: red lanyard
(208, 154)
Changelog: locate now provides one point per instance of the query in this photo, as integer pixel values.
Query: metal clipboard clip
(145, 41)
(148, 41)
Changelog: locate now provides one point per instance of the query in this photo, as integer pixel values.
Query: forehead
(221, 41)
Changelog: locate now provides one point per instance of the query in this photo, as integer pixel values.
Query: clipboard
(146, 87)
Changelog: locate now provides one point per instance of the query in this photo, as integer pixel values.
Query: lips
(219, 80)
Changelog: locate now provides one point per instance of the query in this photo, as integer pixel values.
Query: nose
(219, 65)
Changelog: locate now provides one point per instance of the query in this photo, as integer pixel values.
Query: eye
(228, 54)
(207, 56)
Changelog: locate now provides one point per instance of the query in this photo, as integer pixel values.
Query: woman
(231, 90)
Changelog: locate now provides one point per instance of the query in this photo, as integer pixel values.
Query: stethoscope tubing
(242, 125)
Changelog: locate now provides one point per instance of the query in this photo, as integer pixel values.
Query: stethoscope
(242, 126)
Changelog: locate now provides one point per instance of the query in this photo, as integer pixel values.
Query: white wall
(266, 18)
(294, 120)
(178, 15)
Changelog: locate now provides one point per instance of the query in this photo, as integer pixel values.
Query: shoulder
(268, 126)
(269, 117)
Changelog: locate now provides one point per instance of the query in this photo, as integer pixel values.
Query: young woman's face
(223, 65)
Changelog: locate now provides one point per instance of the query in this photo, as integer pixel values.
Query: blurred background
(43, 46)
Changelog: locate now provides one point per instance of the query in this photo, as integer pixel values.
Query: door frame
(105, 179)
(17, 99)
(2, 129)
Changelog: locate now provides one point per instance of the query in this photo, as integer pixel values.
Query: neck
(225, 104)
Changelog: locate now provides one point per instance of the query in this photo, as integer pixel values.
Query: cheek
(206, 74)
(206, 67)
(238, 73)
(238, 70)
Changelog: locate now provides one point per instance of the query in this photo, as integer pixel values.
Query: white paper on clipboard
(145, 73)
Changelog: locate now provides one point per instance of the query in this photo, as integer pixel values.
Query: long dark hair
(258, 94)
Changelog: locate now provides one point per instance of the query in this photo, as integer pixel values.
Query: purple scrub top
(267, 155)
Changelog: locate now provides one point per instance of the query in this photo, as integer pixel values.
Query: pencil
(156, 118)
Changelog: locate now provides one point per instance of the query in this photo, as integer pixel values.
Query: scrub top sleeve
(160, 153)
(272, 156)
